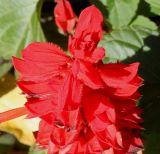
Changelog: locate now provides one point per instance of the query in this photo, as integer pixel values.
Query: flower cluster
(85, 106)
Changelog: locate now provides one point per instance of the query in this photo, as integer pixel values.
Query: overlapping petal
(122, 79)
(87, 73)
(41, 61)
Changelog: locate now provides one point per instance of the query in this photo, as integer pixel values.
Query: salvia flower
(65, 18)
(85, 106)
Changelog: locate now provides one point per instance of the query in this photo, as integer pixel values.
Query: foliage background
(131, 33)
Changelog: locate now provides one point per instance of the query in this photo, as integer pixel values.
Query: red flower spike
(85, 106)
(64, 16)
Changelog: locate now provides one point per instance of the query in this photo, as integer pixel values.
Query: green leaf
(5, 67)
(6, 143)
(19, 22)
(155, 6)
(121, 12)
(144, 26)
(123, 43)
(33, 151)
(144, 22)
(7, 139)
(105, 2)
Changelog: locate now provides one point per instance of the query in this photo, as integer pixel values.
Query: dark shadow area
(49, 28)
(7, 83)
(10, 145)
(150, 102)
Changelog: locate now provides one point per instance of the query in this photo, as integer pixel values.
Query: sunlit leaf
(155, 6)
(121, 12)
(124, 42)
(19, 25)
(4, 67)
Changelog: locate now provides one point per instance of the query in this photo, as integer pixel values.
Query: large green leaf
(122, 43)
(5, 66)
(19, 25)
(155, 6)
(118, 12)
(121, 12)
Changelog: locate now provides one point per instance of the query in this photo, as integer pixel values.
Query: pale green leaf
(5, 66)
(144, 22)
(145, 26)
(19, 25)
(121, 12)
(104, 2)
(123, 43)
(155, 6)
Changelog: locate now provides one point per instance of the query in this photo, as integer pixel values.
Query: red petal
(90, 20)
(88, 74)
(41, 61)
(32, 88)
(98, 105)
(116, 74)
(67, 126)
(40, 107)
(69, 93)
(121, 78)
(44, 133)
(44, 53)
(98, 54)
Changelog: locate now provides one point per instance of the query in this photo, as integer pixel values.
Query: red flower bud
(64, 16)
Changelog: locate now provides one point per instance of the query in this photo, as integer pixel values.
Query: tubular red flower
(64, 16)
(85, 106)
(14, 113)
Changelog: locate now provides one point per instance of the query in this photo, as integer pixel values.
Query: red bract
(64, 16)
(85, 106)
